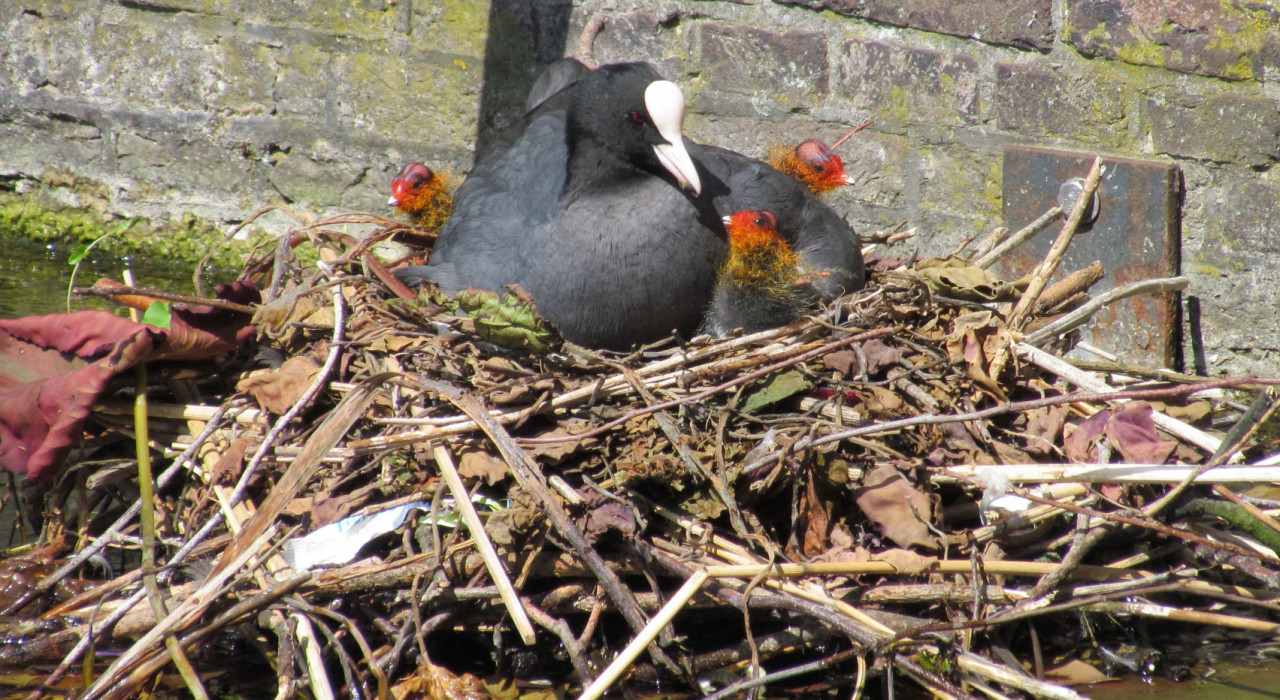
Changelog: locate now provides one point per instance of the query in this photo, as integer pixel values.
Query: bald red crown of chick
(425, 195)
(814, 165)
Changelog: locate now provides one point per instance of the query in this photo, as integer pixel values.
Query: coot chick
(813, 165)
(760, 285)
(826, 245)
(422, 194)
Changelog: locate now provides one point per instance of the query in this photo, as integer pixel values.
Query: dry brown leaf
(881, 401)
(1129, 429)
(1009, 454)
(1189, 413)
(522, 393)
(843, 361)
(958, 278)
(230, 464)
(555, 452)
(889, 500)
(479, 464)
(1082, 438)
(880, 355)
(1075, 672)
(905, 561)
(277, 391)
(1043, 428)
(392, 344)
(605, 515)
(975, 338)
(275, 317)
(328, 508)
(439, 683)
(1133, 432)
(299, 507)
(815, 521)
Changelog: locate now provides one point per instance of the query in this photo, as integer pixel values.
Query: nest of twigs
(896, 493)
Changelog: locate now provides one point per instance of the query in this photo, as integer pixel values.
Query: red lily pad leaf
(200, 331)
(52, 369)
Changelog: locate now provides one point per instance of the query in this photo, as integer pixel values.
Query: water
(1228, 682)
(34, 278)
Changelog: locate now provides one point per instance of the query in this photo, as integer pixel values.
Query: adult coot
(597, 206)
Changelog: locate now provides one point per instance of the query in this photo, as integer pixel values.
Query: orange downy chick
(760, 285)
(812, 164)
(423, 194)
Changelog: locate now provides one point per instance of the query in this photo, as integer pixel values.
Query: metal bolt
(1069, 192)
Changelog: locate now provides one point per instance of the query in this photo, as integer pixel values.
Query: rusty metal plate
(1136, 236)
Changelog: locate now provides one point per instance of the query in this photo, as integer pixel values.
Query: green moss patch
(186, 240)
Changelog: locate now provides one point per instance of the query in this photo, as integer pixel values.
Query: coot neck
(594, 168)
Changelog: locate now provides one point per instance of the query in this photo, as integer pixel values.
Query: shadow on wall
(524, 36)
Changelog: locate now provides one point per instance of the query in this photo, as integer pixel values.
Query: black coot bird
(596, 205)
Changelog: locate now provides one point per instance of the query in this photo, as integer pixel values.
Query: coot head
(411, 179)
(627, 112)
(825, 167)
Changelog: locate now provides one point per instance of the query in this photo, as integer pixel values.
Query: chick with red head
(760, 285)
(425, 195)
(814, 165)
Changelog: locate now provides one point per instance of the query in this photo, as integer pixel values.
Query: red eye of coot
(636, 117)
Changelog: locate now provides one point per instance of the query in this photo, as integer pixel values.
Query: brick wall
(220, 106)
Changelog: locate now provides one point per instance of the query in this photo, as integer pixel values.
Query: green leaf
(510, 321)
(78, 251)
(157, 315)
(775, 388)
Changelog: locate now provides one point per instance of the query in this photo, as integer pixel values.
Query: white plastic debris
(340, 542)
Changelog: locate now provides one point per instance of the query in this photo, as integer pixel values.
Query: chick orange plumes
(425, 195)
(812, 164)
(760, 285)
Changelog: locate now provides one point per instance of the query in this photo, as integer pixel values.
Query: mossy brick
(1233, 265)
(636, 36)
(787, 67)
(1228, 39)
(168, 160)
(1020, 23)
(1048, 103)
(881, 166)
(347, 18)
(299, 177)
(1241, 229)
(1224, 127)
(898, 83)
(156, 60)
(963, 185)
